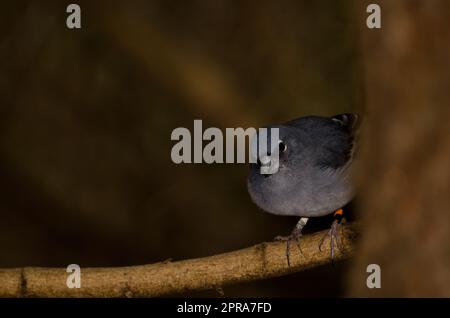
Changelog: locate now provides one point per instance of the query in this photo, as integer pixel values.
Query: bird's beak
(269, 164)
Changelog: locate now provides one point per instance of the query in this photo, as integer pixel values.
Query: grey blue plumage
(315, 168)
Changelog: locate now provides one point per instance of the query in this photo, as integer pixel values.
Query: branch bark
(258, 262)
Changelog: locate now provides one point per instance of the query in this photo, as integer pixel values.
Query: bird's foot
(334, 234)
(293, 237)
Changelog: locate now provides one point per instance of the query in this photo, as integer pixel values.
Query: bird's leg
(334, 233)
(294, 236)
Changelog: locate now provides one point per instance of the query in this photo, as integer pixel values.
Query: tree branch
(258, 262)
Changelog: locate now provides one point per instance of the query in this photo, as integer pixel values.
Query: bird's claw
(288, 239)
(335, 239)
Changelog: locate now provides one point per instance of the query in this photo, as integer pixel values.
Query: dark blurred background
(86, 116)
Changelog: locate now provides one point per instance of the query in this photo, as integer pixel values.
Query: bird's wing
(339, 148)
(350, 122)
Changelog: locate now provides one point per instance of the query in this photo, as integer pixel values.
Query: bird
(314, 175)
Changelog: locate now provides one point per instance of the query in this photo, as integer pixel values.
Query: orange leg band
(339, 212)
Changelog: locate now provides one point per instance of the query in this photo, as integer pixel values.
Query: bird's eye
(282, 146)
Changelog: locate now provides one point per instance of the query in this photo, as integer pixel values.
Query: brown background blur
(86, 117)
